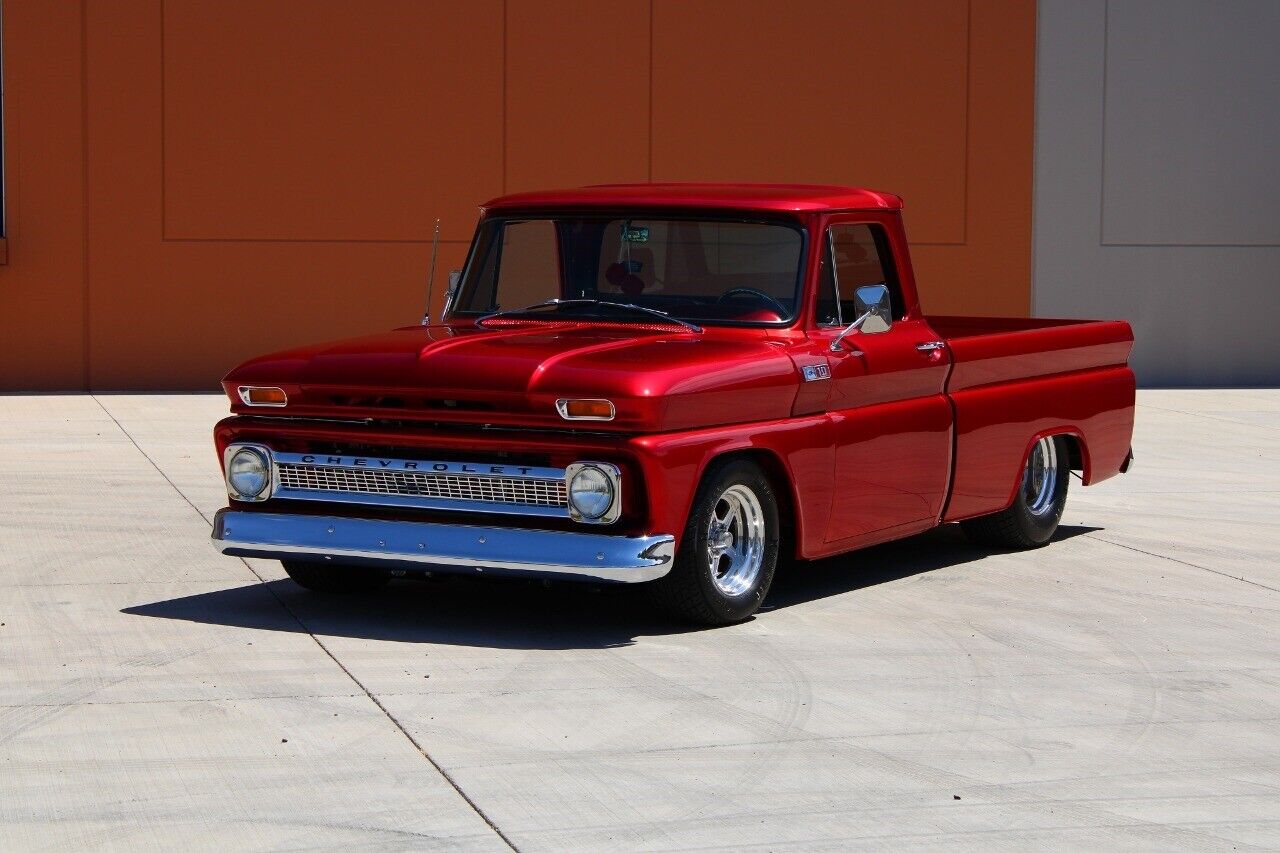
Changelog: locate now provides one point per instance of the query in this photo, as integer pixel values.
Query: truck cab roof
(780, 198)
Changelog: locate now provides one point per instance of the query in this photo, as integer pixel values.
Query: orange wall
(190, 183)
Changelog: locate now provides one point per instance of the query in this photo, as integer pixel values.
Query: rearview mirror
(455, 279)
(874, 310)
(873, 301)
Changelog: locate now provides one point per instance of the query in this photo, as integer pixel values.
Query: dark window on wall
(861, 256)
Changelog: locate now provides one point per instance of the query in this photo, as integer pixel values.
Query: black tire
(1028, 523)
(692, 590)
(334, 578)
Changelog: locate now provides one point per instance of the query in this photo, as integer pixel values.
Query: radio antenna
(431, 274)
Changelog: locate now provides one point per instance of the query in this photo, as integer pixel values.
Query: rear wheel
(729, 549)
(334, 578)
(1037, 508)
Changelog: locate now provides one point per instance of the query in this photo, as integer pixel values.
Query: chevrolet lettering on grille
(414, 465)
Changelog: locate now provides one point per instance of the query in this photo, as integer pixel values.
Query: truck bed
(1012, 378)
(986, 350)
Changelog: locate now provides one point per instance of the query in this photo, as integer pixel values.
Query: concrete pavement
(1118, 689)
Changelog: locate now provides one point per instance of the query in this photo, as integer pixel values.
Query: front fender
(802, 448)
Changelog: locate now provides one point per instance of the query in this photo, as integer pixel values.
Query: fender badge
(814, 372)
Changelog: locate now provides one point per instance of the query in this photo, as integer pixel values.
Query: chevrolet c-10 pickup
(685, 386)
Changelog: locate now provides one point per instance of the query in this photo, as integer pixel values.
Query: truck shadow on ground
(467, 611)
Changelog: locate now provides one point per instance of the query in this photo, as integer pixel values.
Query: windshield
(698, 270)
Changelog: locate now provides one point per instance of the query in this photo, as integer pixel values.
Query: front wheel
(1037, 508)
(729, 549)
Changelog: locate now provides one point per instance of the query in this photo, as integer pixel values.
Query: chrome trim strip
(444, 547)
(420, 502)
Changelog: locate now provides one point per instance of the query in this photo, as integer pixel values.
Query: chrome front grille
(420, 484)
(456, 487)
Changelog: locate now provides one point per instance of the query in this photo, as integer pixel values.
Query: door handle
(931, 346)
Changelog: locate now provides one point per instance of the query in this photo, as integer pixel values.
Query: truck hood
(658, 378)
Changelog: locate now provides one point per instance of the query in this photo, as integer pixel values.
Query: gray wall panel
(1192, 121)
(1157, 181)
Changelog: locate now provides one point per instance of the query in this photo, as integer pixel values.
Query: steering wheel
(774, 304)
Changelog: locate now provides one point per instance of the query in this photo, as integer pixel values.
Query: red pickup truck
(680, 385)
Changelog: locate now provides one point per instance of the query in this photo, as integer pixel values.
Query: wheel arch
(795, 454)
(1079, 459)
(1077, 449)
(775, 470)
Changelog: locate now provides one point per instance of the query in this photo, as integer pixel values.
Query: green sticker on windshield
(635, 234)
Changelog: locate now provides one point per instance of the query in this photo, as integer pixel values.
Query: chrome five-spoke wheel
(735, 540)
(1040, 480)
(729, 549)
(1031, 520)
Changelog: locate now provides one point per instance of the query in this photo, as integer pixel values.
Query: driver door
(891, 418)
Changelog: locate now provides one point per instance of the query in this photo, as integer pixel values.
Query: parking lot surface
(1118, 689)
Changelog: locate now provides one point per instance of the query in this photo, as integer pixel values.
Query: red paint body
(897, 441)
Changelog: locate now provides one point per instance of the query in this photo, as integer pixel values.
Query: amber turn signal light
(585, 410)
(253, 395)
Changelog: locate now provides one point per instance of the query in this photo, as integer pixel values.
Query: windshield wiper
(653, 312)
(525, 310)
(626, 306)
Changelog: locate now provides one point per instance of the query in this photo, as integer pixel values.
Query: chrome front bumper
(443, 547)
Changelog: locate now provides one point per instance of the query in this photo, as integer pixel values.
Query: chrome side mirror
(873, 300)
(875, 313)
(455, 279)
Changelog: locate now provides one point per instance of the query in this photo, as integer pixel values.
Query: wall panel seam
(86, 361)
(505, 70)
(1190, 245)
(1102, 151)
(389, 241)
(164, 128)
(650, 171)
(1035, 166)
(968, 111)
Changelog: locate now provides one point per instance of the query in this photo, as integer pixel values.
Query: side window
(858, 254)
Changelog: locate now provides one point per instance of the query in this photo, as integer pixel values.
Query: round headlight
(591, 493)
(248, 474)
